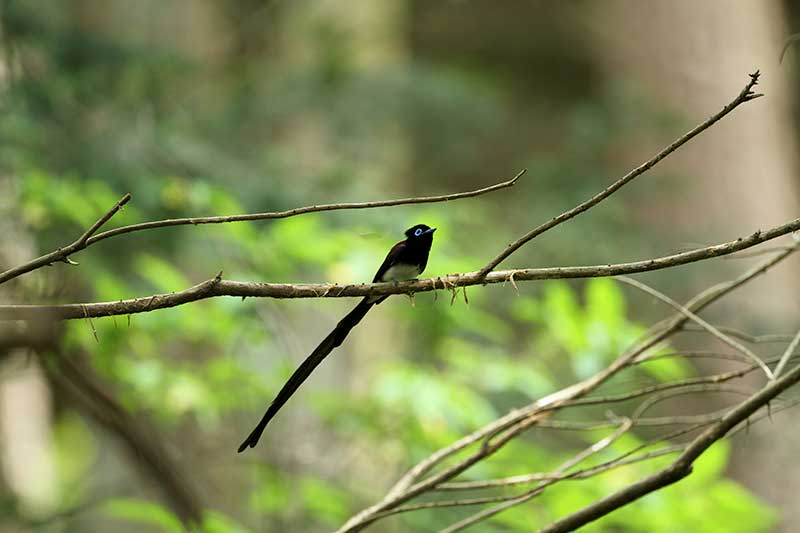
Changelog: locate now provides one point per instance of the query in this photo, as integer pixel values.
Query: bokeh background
(203, 108)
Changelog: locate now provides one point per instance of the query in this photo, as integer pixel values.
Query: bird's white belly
(401, 272)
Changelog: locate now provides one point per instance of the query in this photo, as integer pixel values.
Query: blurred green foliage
(95, 109)
(465, 366)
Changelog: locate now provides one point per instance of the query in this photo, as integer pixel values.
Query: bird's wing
(391, 258)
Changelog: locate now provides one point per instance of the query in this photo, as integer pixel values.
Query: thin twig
(758, 253)
(743, 335)
(638, 393)
(745, 95)
(556, 475)
(89, 237)
(303, 210)
(62, 254)
(624, 459)
(693, 354)
(682, 466)
(588, 452)
(708, 327)
(788, 353)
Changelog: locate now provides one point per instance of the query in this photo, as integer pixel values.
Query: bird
(406, 260)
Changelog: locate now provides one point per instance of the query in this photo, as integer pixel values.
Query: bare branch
(303, 210)
(584, 473)
(621, 460)
(89, 237)
(705, 325)
(682, 466)
(438, 471)
(743, 335)
(745, 95)
(591, 450)
(62, 254)
(693, 354)
(787, 354)
(631, 395)
(105, 218)
(558, 474)
(207, 289)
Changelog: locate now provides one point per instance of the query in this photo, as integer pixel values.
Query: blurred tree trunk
(26, 437)
(740, 176)
(340, 44)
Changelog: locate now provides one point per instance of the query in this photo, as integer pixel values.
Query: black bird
(406, 260)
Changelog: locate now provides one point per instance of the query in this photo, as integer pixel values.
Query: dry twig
(745, 95)
(89, 237)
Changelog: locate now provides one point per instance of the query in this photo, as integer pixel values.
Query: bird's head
(420, 231)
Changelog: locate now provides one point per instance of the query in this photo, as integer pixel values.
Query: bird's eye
(418, 232)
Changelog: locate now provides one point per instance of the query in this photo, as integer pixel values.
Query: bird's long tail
(334, 339)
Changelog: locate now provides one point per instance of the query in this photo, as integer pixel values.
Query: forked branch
(89, 237)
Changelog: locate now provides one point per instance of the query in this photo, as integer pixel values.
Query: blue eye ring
(418, 232)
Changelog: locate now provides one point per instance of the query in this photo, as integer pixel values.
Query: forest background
(215, 108)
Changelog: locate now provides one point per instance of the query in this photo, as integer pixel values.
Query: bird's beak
(429, 230)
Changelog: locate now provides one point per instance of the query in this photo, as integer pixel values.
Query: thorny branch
(218, 287)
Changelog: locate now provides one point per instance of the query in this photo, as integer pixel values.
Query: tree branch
(682, 466)
(422, 478)
(89, 237)
(218, 287)
(702, 323)
(556, 475)
(62, 254)
(787, 354)
(622, 460)
(745, 95)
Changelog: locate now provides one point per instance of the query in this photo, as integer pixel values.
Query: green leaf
(270, 495)
(325, 502)
(161, 274)
(605, 302)
(75, 454)
(216, 522)
(144, 512)
(563, 316)
(711, 464)
(667, 368)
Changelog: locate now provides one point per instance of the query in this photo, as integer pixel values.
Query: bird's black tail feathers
(334, 339)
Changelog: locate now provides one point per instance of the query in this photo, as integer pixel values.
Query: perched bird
(406, 260)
